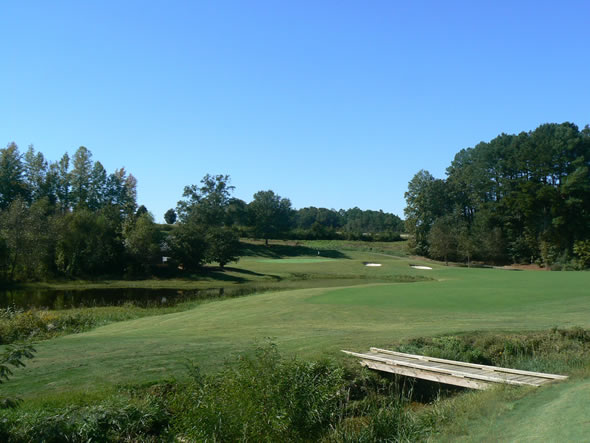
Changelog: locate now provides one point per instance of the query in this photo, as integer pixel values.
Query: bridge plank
(458, 373)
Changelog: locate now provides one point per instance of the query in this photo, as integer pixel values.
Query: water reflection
(65, 299)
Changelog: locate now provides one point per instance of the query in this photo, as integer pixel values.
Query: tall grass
(556, 350)
(269, 397)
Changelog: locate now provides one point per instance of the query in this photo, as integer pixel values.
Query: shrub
(111, 420)
(264, 398)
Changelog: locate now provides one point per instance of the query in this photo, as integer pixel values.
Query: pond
(66, 299)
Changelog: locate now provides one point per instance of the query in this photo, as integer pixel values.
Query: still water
(65, 299)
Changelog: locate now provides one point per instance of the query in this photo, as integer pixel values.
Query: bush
(556, 350)
(23, 325)
(111, 420)
(264, 398)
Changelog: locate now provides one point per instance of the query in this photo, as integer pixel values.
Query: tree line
(68, 217)
(71, 218)
(521, 198)
(208, 222)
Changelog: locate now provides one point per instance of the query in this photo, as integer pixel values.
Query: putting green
(294, 260)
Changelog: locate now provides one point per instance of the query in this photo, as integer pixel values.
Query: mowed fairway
(555, 413)
(310, 322)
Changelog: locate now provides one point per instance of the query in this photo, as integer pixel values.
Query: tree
(142, 241)
(269, 214)
(222, 245)
(170, 216)
(12, 181)
(142, 210)
(63, 182)
(27, 238)
(206, 214)
(534, 188)
(582, 252)
(35, 173)
(236, 213)
(121, 192)
(81, 177)
(89, 243)
(207, 204)
(442, 238)
(188, 245)
(466, 244)
(427, 199)
(97, 189)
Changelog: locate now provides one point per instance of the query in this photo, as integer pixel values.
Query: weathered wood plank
(472, 365)
(448, 371)
(426, 375)
(453, 372)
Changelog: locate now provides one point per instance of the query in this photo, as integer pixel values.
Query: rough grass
(32, 324)
(326, 314)
(263, 396)
(310, 323)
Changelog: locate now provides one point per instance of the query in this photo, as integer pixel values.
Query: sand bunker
(372, 264)
(420, 267)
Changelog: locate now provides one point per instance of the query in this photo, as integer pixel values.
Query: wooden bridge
(451, 372)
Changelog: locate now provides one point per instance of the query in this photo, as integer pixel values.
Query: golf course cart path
(451, 372)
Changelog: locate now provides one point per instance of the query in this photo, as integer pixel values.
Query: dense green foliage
(270, 216)
(62, 219)
(71, 218)
(352, 224)
(553, 351)
(113, 419)
(264, 396)
(519, 198)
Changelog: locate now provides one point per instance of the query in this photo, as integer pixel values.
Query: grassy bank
(310, 323)
(312, 307)
(266, 396)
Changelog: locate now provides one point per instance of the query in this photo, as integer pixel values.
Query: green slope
(558, 413)
(307, 322)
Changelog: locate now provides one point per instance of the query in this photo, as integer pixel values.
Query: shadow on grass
(282, 251)
(222, 274)
(242, 271)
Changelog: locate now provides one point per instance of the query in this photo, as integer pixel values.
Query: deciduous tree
(269, 214)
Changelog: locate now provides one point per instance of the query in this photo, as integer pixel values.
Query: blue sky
(329, 103)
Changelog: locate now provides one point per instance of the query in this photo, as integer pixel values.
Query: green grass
(294, 260)
(556, 413)
(553, 413)
(310, 322)
(318, 306)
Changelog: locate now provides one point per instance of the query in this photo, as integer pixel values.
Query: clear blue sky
(329, 103)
